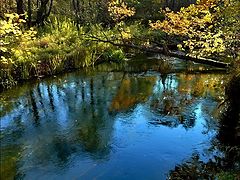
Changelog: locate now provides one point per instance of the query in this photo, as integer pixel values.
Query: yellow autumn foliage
(199, 23)
(13, 38)
(119, 10)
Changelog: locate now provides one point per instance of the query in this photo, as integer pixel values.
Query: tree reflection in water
(74, 116)
(69, 117)
(132, 91)
(178, 101)
(226, 142)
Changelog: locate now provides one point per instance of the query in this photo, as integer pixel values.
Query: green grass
(59, 46)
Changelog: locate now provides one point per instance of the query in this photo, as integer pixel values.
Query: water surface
(108, 125)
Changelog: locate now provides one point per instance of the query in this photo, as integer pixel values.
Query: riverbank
(62, 46)
(58, 47)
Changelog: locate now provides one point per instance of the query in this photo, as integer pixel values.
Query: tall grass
(59, 46)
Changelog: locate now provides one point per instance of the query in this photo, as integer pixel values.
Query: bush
(14, 47)
(116, 55)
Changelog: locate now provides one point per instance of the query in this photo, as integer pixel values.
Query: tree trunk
(29, 13)
(20, 9)
(42, 12)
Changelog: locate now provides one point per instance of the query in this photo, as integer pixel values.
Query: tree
(90, 11)
(201, 26)
(43, 10)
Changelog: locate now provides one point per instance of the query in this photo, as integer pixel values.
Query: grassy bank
(59, 46)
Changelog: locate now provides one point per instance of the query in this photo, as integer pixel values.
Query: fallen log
(199, 60)
(177, 54)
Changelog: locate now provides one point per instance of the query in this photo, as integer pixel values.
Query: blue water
(107, 125)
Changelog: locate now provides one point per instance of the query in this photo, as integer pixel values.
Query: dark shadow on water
(229, 130)
(34, 108)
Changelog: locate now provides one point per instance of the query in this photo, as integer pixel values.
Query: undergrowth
(59, 46)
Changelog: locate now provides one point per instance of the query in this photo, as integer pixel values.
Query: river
(110, 123)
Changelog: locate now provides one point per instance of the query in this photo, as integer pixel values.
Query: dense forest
(42, 39)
